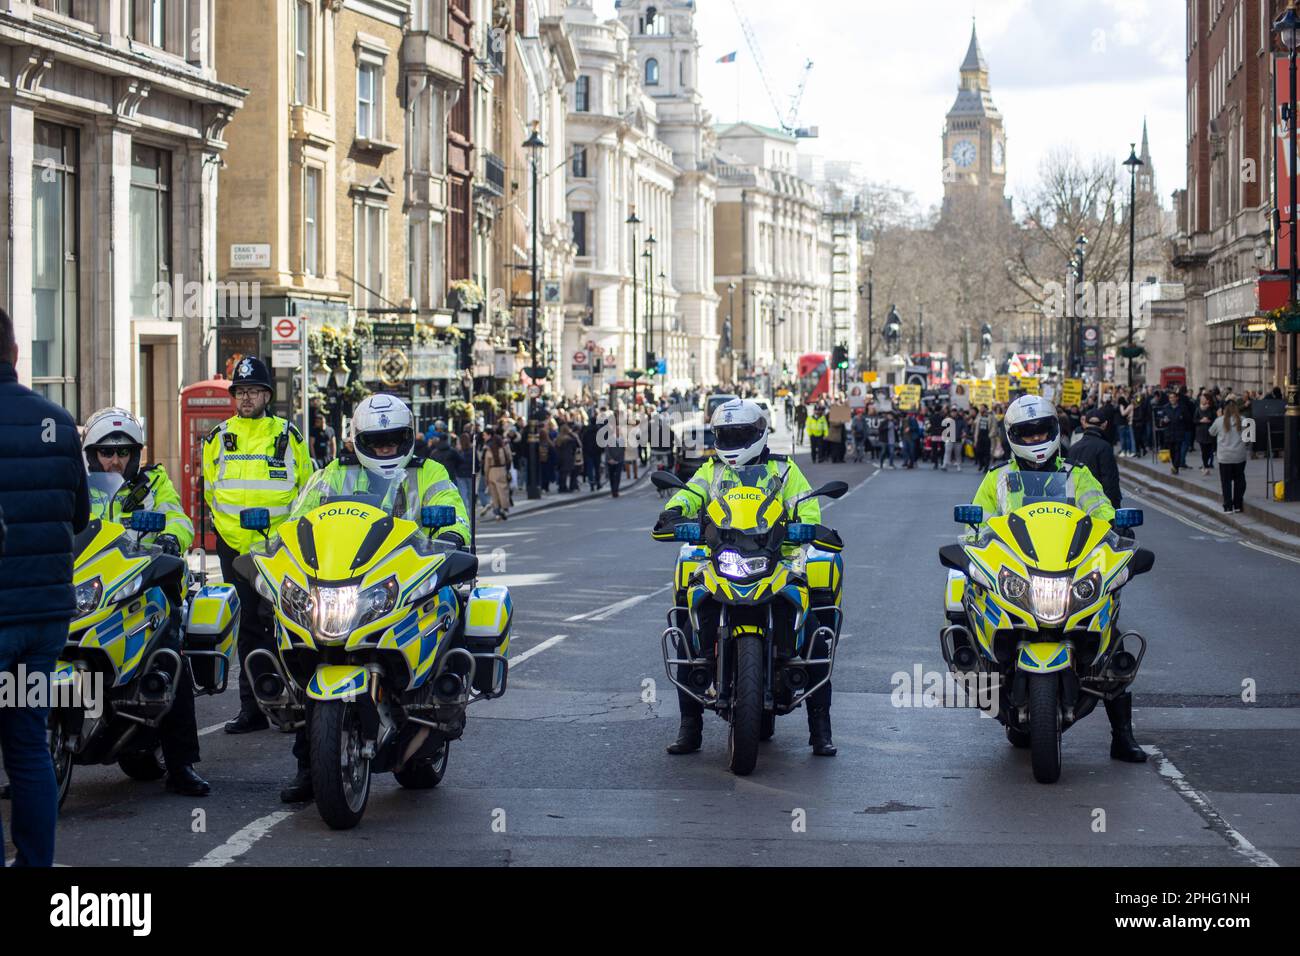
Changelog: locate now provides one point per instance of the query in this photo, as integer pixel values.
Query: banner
(1072, 391)
(1003, 389)
(981, 393)
(1282, 159)
(961, 389)
(1029, 383)
(907, 397)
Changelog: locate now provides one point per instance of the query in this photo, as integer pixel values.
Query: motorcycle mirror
(832, 489)
(666, 480)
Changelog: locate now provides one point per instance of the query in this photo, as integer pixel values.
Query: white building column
(16, 159)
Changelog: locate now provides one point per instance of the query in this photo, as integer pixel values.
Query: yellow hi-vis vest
(252, 463)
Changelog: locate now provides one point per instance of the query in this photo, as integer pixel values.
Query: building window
(370, 249)
(150, 230)
(302, 52)
(55, 329)
(369, 80)
(582, 94)
(580, 162)
(311, 193)
(578, 217)
(69, 8)
(149, 22)
(652, 72)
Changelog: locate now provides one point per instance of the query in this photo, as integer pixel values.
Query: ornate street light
(1133, 162)
(1286, 27)
(533, 144)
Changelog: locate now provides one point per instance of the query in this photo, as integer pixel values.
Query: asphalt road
(569, 767)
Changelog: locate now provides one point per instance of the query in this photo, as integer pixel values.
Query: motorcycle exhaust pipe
(449, 686)
(155, 685)
(268, 687)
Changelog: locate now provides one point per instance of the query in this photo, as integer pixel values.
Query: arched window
(652, 72)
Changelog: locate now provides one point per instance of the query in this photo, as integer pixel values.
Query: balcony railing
(494, 175)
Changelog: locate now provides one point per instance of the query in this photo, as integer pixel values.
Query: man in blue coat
(45, 502)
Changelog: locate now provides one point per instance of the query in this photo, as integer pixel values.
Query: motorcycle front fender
(1045, 657)
(339, 682)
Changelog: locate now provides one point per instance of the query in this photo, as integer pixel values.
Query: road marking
(1207, 811)
(603, 613)
(548, 643)
(1177, 517)
(518, 580)
(1276, 554)
(211, 730)
(242, 840)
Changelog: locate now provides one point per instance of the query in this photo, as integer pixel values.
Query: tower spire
(974, 57)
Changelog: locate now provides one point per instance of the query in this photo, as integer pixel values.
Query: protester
(1227, 433)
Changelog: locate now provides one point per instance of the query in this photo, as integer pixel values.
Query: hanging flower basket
(1286, 319)
(466, 295)
(1132, 351)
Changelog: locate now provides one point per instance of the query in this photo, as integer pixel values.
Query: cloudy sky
(1081, 72)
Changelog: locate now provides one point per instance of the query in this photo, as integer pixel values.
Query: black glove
(452, 539)
(169, 543)
(668, 520)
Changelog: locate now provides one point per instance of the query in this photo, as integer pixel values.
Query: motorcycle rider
(113, 444)
(740, 432)
(383, 442)
(252, 460)
(1034, 437)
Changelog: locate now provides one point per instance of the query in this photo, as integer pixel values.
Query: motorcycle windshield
(104, 484)
(1038, 486)
(399, 497)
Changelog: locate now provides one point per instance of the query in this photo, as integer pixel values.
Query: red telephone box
(204, 405)
(1173, 376)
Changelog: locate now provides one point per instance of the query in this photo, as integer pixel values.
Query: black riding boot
(1123, 745)
(690, 735)
(819, 731)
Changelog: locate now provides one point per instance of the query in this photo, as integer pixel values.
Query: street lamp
(731, 332)
(662, 354)
(1080, 252)
(1132, 163)
(533, 144)
(649, 256)
(1286, 27)
(633, 373)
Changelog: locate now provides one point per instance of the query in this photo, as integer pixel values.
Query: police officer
(253, 460)
(382, 463)
(740, 432)
(112, 444)
(818, 429)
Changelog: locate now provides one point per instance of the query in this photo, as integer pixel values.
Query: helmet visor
(1035, 431)
(400, 438)
(735, 437)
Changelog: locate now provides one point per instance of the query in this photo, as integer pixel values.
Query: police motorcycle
(1032, 607)
(754, 594)
(379, 625)
(115, 680)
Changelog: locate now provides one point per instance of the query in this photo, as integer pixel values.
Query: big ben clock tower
(974, 144)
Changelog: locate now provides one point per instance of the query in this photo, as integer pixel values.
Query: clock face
(999, 153)
(963, 153)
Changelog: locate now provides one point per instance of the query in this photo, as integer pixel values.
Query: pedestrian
(1141, 417)
(591, 453)
(324, 445)
(497, 461)
(44, 502)
(983, 440)
(1227, 432)
(1206, 416)
(1094, 450)
(800, 422)
(952, 426)
(615, 455)
(567, 450)
(817, 431)
(252, 460)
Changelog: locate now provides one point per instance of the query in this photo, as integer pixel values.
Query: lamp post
(533, 144)
(1286, 27)
(731, 332)
(1133, 162)
(649, 256)
(662, 353)
(1080, 252)
(633, 373)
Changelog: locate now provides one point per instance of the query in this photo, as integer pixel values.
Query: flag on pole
(729, 58)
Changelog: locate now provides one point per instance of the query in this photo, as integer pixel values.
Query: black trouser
(1207, 453)
(615, 477)
(1232, 477)
(253, 630)
(178, 731)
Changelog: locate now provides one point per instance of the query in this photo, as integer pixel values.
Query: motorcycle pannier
(487, 631)
(211, 632)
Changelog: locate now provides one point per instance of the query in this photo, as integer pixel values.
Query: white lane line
(548, 643)
(211, 730)
(1177, 517)
(603, 613)
(1207, 810)
(1277, 554)
(242, 840)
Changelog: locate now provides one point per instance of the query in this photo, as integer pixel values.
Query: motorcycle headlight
(296, 603)
(1085, 590)
(734, 565)
(376, 601)
(335, 610)
(1014, 588)
(88, 595)
(1051, 597)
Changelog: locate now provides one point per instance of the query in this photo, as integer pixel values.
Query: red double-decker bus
(814, 376)
(936, 363)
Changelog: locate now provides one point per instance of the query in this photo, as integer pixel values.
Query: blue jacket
(45, 502)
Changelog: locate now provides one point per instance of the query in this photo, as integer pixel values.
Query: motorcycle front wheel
(340, 775)
(143, 765)
(747, 710)
(60, 755)
(1045, 727)
(427, 773)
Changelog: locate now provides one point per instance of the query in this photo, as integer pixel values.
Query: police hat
(251, 370)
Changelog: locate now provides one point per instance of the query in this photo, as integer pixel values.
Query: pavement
(569, 768)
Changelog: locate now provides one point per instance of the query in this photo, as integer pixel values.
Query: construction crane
(788, 121)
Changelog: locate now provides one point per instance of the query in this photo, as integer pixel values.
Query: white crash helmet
(739, 431)
(113, 427)
(1032, 416)
(383, 420)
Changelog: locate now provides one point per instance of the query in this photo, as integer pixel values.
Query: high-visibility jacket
(714, 472)
(151, 490)
(425, 483)
(818, 427)
(252, 463)
(996, 497)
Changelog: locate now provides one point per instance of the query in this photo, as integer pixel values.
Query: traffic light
(840, 357)
(650, 359)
